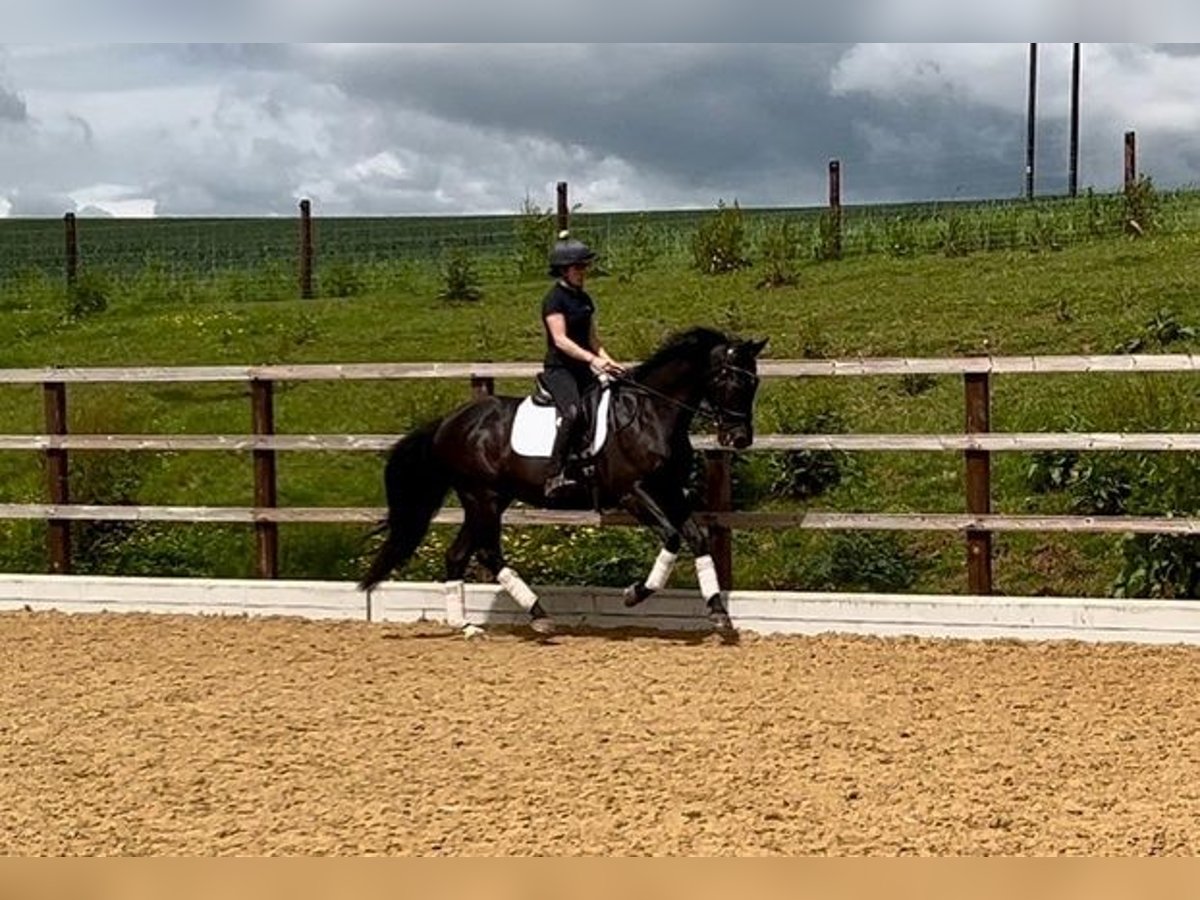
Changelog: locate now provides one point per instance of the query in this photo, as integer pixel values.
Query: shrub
(1160, 566)
(952, 237)
(535, 234)
(1141, 206)
(916, 383)
(901, 237)
(717, 247)
(853, 561)
(643, 245)
(870, 561)
(827, 236)
(458, 273)
(1052, 470)
(780, 252)
(88, 296)
(804, 474)
(341, 278)
(1162, 331)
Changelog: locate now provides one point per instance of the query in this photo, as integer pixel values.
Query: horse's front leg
(647, 511)
(671, 507)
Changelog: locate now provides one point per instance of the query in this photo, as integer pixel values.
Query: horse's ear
(756, 347)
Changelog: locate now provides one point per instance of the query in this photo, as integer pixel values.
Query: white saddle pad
(535, 426)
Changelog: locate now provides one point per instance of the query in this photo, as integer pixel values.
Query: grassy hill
(1092, 296)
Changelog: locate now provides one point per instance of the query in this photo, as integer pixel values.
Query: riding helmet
(568, 252)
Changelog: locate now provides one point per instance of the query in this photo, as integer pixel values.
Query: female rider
(575, 356)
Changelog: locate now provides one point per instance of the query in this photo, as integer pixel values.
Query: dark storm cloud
(436, 128)
(758, 122)
(12, 107)
(702, 116)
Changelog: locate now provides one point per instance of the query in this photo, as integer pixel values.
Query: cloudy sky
(247, 129)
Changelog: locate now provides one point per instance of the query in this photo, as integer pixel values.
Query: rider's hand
(606, 367)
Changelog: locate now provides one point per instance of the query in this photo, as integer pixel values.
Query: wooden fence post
(71, 236)
(1130, 160)
(979, 483)
(54, 397)
(306, 250)
(265, 485)
(564, 209)
(835, 206)
(482, 386)
(718, 497)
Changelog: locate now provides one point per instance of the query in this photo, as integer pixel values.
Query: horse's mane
(683, 345)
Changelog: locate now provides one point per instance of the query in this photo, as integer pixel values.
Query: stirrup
(560, 484)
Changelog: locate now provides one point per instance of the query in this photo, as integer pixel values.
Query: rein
(729, 414)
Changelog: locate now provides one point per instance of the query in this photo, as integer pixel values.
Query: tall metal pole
(1029, 143)
(1073, 173)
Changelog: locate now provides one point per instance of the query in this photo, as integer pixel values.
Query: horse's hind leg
(458, 557)
(484, 515)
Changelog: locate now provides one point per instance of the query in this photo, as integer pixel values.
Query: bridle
(720, 414)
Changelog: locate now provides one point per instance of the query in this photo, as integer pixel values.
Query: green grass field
(1068, 291)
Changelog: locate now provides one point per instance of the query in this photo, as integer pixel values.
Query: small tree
(1141, 206)
(534, 233)
(717, 244)
(462, 282)
(780, 252)
(88, 296)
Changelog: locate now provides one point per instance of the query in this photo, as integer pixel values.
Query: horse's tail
(416, 489)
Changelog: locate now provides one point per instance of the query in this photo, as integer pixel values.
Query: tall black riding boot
(558, 482)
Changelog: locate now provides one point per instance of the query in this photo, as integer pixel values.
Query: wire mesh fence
(248, 259)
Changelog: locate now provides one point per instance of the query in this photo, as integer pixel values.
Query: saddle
(536, 423)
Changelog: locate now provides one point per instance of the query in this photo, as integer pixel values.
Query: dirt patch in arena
(127, 734)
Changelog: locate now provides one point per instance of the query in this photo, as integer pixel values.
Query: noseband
(723, 413)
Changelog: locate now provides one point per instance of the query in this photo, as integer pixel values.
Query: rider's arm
(556, 323)
(609, 363)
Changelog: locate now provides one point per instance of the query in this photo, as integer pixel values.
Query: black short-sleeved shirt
(577, 308)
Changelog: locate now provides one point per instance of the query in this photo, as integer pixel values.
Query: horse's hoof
(543, 625)
(636, 593)
(719, 615)
(470, 632)
(721, 621)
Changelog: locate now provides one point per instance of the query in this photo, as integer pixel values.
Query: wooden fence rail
(976, 443)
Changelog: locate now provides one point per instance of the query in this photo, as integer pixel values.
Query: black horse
(643, 467)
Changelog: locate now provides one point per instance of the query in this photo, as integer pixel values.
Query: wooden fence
(976, 443)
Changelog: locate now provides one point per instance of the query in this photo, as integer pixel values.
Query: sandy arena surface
(129, 734)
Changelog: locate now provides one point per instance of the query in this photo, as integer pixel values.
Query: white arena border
(761, 612)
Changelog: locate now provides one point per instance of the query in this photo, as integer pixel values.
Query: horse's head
(732, 384)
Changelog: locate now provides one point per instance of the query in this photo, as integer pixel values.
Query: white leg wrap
(517, 589)
(662, 570)
(456, 603)
(706, 571)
